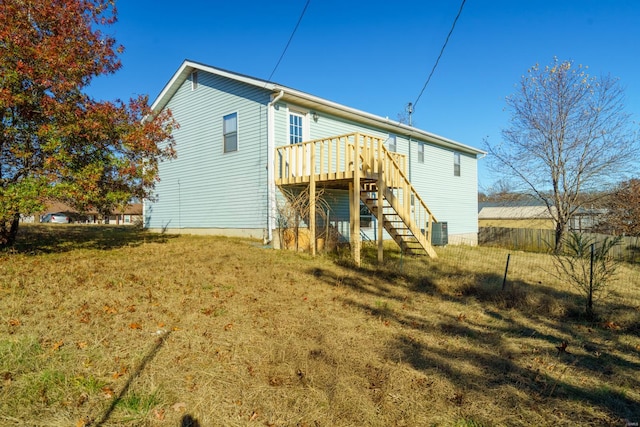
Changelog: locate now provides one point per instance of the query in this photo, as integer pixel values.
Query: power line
(441, 52)
(290, 38)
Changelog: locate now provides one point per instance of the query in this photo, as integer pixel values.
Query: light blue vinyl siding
(205, 187)
(452, 199)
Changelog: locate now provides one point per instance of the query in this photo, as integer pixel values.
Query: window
(456, 164)
(420, 152)
(366, 217)
(295, 128)
(391, 143)
(230, 132)
(194, 80)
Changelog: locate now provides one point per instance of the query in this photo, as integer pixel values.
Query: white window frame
(225, 133)
(392, 143)
(456, 164)
(421, 152)
(304, 116)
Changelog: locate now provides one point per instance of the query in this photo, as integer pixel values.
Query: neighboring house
(131, 215)
(536, 217)
(243, 140)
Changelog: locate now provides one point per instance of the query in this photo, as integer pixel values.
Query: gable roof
(308, 101)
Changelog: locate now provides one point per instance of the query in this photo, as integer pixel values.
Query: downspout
(271, 180)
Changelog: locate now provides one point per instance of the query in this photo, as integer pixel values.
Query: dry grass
(112, 326)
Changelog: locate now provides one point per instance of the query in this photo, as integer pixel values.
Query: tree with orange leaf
(56, 142)
(623, 209)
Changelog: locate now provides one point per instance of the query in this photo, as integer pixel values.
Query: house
(246, 145)
(130, 215)
(584, 220)
(534, 217)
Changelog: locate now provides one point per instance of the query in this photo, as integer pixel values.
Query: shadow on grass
(523, 310)
(36, 239)
(135, 374)
(189, 421)
(496, 372)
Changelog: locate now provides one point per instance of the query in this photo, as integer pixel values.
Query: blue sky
(376, 55)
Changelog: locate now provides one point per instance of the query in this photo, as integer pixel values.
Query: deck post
(354, 197)
(312, 199)
(381, 191)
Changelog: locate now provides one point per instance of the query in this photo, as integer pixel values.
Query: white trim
(237, 132)
(392, 147)
(304, 114)
(194, 80)
(271, 177)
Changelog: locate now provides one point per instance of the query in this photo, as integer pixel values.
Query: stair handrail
(406, 180)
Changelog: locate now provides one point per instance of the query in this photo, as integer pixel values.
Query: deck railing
(333, 159)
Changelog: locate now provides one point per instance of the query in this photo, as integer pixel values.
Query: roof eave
(323, 105)
(309, 101)
(187, 67)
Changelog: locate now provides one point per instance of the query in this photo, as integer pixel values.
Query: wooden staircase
(404, 232)
(363, 164)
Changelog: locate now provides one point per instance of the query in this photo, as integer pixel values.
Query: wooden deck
(373, 174)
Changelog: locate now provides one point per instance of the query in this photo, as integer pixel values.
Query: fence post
(590, 298)
(506, 269)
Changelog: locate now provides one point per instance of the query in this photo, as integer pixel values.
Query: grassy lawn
(111, 326)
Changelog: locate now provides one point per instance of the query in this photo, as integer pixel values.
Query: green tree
(56, 141)
(568, 138)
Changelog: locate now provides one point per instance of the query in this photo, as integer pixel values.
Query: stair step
(393, 222)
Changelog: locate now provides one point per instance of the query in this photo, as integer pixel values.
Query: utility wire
(441, 52)
(290, 38)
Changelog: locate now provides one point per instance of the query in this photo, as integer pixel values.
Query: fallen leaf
(158, 414)
(461, 317)
(109, 309)
(611, 325)
(253, 416)
(228, 326)
(81, 345)
(57, 345)
(179, 407)
(123, 371)
(82, 399)
(7, 377)
(160, 324)
(135, 326)
(108, 392)
(14, 322)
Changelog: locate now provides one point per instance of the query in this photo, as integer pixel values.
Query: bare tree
(568, 137)
(587, 266)
(295, 208)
